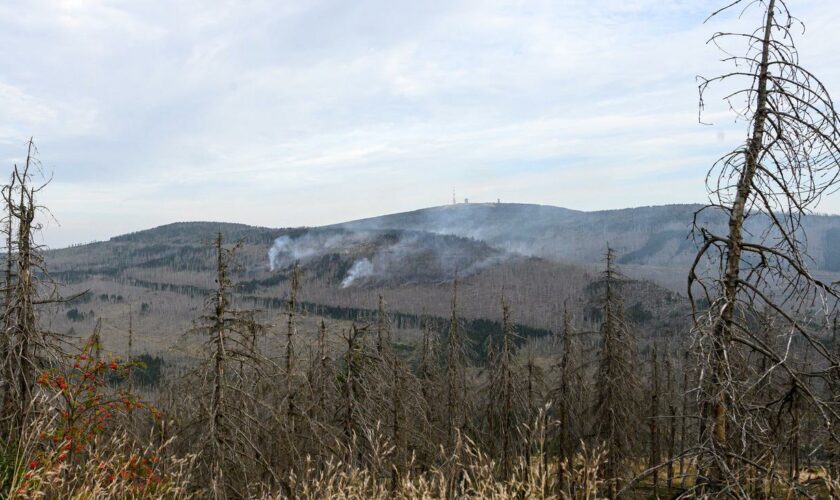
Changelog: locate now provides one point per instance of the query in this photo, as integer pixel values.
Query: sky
(290, 113)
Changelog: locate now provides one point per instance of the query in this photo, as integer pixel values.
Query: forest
(613, 388)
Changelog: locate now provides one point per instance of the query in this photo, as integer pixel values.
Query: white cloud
(289, 113)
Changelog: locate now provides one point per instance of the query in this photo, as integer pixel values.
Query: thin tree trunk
(219, 359)
(653, 421)
(291, 330)
(723, 327)
(672, 419)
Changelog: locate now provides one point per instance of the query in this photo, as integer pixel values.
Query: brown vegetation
(292, 405)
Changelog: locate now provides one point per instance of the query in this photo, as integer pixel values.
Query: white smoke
(287, 250)
(361, 269)
(387, 255)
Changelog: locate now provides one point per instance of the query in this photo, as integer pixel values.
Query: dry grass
(113, 467)
(473, 475)
(116, 466)
(466, 472)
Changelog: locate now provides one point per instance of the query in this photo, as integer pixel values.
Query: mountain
(657, 235)
(654, 242)
(539, 257)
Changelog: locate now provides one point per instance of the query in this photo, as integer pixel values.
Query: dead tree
(390, 376)
(568, 394)
(291, 331)
(430, 378)
(7, 366)
(429, 373)
(352, 387)
(383, 327)
(653, 420)
(317, 401)
(505, 395)
(398, 424)
(321, 373)
(455, 379)
(225, 412)
(685, 397)
(130, 353)
(763, 188)
(27, 347)
(218, 431)
(832, 392)
(365, 398)
(671, 398)
(616, 385)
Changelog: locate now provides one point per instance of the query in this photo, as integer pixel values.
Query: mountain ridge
(539, 256)
(654, 235)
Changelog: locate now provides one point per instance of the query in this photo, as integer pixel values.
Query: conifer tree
(455, 376)
(616, 385)
(505, 401)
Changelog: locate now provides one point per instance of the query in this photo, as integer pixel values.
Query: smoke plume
(386, 256)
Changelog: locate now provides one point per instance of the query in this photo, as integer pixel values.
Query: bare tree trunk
(322, 377)
(564, 395)
(795, 411)
(291, 331)
(427, 372)
(216, 437)
(653, 460)
(531, 411)
(616, 385)
(8, 311)
(351, 375)
(508, 422)
(383, 327)
(722, 329)
(683, 420)
(397, 430)
(455, 373)
(130, 353)
(672, 418)
(26, 344)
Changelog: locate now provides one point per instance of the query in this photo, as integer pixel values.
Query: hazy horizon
(459, 202)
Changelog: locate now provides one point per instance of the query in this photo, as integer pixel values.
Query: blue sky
(310, 112)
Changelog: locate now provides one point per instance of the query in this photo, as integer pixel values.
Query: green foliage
(639, 314)
(146, 371)
(74, 315)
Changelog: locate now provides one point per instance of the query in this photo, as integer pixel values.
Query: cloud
(290, 113)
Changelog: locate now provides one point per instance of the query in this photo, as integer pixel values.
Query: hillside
(541, 256)
(165, 273)
(653, 242)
